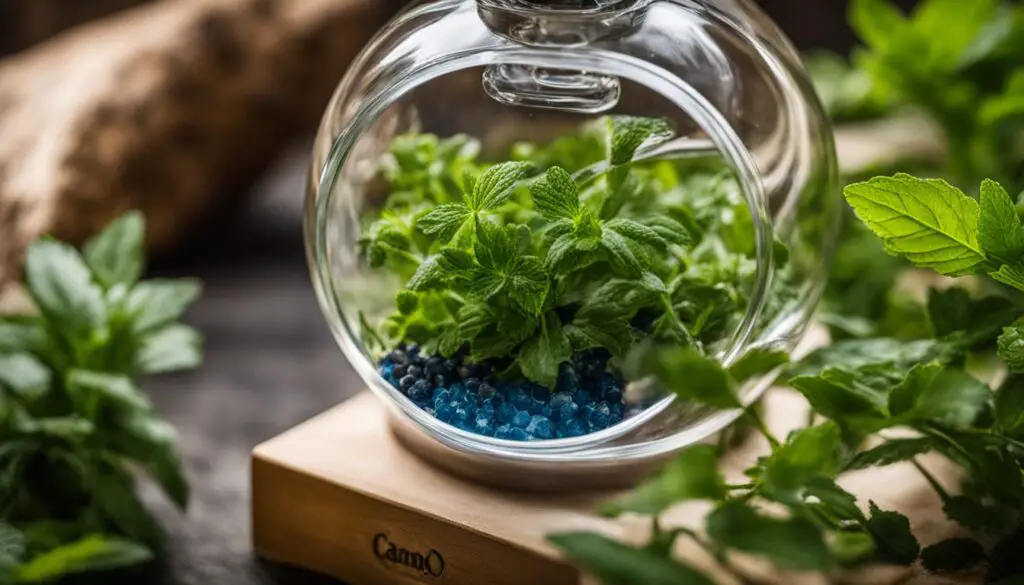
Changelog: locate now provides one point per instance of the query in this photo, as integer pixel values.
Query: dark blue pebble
(587, 397)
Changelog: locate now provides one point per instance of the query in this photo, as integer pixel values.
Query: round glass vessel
(511, 200)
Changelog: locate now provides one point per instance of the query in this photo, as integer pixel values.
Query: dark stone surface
(270, 363)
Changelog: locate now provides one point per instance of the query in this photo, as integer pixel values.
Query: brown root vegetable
(167, 108)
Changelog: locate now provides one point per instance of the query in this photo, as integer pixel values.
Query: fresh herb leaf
(556, 195)
(999, 230)
(91, 553)
(541, 356)
(1011, 347)
(756, 362)
(617, 564)
(891, 531)
(24, 375)
(928, 221)
(494, 186)
(445, 221)
(63, 289)
(12, 546)
(893, 451)
(173, 348)
(153, 304)
(115, 255)
(795, 542)
(953, 554)
(687, 373)
(693, 475)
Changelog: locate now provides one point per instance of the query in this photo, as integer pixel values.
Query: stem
(740, 486)
(671, 312)
(755, 417)
(943, 494)
(714, 553)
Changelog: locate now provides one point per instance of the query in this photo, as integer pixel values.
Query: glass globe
(508, 198)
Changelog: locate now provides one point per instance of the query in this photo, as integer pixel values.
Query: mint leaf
(494, 186)
(805, 453)
(115, 255)
(952, 554)
(1010, 347)
(927, 221)
(24, 375)
(407, 302)
(173, 348)
(494, 247)
(155, 303)
(999, 230)
(21, 334)
(91, 553)
(693, 475)
(62, 288)
(153, 444)
(622, 256)
(615, 335)
(72, 429)
(795, 543)
(12, 546)
(614, 563)
(1009, 405)
(687, 373)
(556, 195)
(932, 393)
(628, 134)
(851, 547)
(87, 388)
(528, 284)
(891, 531)
(637, 232)
(836, 501)
(445, 220)
(855, 353)
(431, 272)
(893, 451)
(952, 311)
(756, 362)
(1010, 275)
(877, 22)
(540, 357)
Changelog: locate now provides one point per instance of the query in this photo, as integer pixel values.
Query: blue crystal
(540, 427)
(518, 434)
(568, 411)
(503, 432)
(575, 428)
(444, 412)
(521, 419)
(506, 412)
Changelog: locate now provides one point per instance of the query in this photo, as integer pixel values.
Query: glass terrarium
(509, 199)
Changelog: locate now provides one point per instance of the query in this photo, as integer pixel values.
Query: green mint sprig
(524, 264)
(858, 388)
(72, 418)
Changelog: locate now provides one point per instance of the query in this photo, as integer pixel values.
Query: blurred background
(200, 112)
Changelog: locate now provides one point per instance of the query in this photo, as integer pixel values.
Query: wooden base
(338, 495)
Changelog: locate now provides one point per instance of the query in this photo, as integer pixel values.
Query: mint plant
(857, 389)
(578, 246)
(73, 422)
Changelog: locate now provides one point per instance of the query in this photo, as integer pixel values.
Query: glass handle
(552, 89)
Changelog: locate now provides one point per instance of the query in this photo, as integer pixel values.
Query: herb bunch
(73, 422)
(576, 245)
(860, 390)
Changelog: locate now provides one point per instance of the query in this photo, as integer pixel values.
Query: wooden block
(338, 495)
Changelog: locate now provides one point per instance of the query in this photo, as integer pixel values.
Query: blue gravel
(587, 397)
